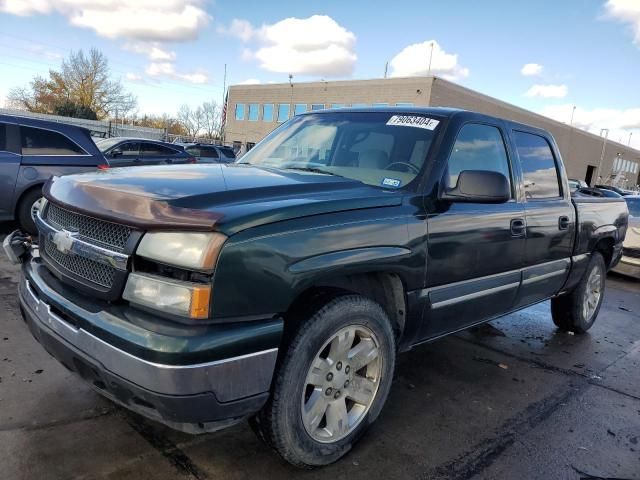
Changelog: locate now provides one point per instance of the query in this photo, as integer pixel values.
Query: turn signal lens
(185, 299)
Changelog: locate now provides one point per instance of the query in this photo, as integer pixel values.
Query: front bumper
(192, 397)
(628, 266)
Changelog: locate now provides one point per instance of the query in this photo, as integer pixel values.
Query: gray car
(31, 152)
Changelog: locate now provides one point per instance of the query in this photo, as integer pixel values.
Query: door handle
(518, 227)
(564, 222)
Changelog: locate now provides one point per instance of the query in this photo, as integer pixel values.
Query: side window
(130, 149)
(152, 149)
(538, 166)
(36, 141)
(3, 137)
(477, 147)
(209, 152)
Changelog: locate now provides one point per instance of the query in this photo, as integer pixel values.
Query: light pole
(573, 111)
(604, 131)
(629, 141)
(430, 58)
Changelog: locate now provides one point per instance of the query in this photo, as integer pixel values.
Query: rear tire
(331, 383)
(26, 209)
(577, 310)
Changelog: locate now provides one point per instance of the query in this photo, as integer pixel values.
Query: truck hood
(227, 198)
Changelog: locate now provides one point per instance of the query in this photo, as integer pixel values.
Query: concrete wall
(579, 148)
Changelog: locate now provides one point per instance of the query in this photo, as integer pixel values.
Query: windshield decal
(413, 121)
(391, 182)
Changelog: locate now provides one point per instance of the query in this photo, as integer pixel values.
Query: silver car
(630, 262)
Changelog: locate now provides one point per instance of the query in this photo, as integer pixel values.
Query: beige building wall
(579, 149)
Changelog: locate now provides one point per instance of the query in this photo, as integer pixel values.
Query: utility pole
(603, 132)
(223, 110)
(573, 111)
(430, 58)
(629, 141)
(386, 69)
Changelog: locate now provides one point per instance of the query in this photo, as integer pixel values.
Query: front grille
(98, 232)
(631, 252)
(82, 267)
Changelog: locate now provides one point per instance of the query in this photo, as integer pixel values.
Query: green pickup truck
(280, 288)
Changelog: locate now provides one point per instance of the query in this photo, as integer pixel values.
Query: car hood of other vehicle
(228, 198)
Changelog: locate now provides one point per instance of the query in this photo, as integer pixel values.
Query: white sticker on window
(413, 121)
(391, 182)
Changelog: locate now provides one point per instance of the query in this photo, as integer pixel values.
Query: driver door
(475, 250)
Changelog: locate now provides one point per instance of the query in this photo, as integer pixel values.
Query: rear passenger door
(155, 154)
(475, 250)
(9, 166)
(550, 218)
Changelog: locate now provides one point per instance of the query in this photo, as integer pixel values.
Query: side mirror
(116, 152)
(479, 186)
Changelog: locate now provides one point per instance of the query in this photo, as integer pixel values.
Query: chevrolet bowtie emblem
(63, 240)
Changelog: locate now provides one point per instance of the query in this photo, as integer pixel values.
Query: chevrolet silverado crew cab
(280, 288)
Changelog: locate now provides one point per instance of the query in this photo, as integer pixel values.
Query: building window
(254, 110)
(267, 112)
(379, 104)
(300, 108)
(317, 106)
(283, 112)
(404, 104)
(360, 105)
(337, 105)
(239, 111)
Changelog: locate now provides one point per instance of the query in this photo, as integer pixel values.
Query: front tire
(27, 208)
(331, 384)
(577, 311)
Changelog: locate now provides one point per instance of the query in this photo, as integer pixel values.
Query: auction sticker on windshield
(413, 121)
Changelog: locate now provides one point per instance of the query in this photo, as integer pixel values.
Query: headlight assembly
(191, 251)
(185, 299)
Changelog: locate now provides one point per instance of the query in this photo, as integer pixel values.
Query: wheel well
(24, 194)
(386, 289)
(605, 247)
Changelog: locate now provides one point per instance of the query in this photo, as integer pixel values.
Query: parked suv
(33, 150)
(124, 152)
(206, 153)
(282, 287)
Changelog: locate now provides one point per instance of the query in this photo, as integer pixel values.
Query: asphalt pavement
(513, 399)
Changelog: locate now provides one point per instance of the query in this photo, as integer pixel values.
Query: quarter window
(239, 111)
(477, 147)
(253, 112)
(283, 112)
(36, 141)
(267, 112)
(538, 166)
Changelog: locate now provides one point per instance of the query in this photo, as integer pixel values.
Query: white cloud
(250, 81)
(316, 45)
(626, 11)
(620, 122)
(168, 70)
(148, 20)
(413, 60)
(548, 91)
(134, 77)
(241, 29)
(153, 50)
(43, 51)
(531, 70)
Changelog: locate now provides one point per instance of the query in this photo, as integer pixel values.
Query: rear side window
(130, 149)
(36, 141)
(150, 149)
(538, 166)
(477, 147)
(3, 137)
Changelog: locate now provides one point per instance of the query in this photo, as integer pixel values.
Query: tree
(212, 119)
(84, 81)
(192, 120)
(70, 109)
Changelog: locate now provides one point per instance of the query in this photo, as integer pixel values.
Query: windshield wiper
(313, 170)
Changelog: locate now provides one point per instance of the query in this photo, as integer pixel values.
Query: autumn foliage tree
(82, 87)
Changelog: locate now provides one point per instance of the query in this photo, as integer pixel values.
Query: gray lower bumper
(229, 379)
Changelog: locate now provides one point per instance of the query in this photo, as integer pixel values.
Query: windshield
(106, 143)
(634, 206)
(377, 148)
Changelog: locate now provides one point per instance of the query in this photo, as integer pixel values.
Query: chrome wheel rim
(341, 384)
(35, 208)
(592, 294)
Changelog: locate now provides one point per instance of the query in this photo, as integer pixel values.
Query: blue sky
(584, 53)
